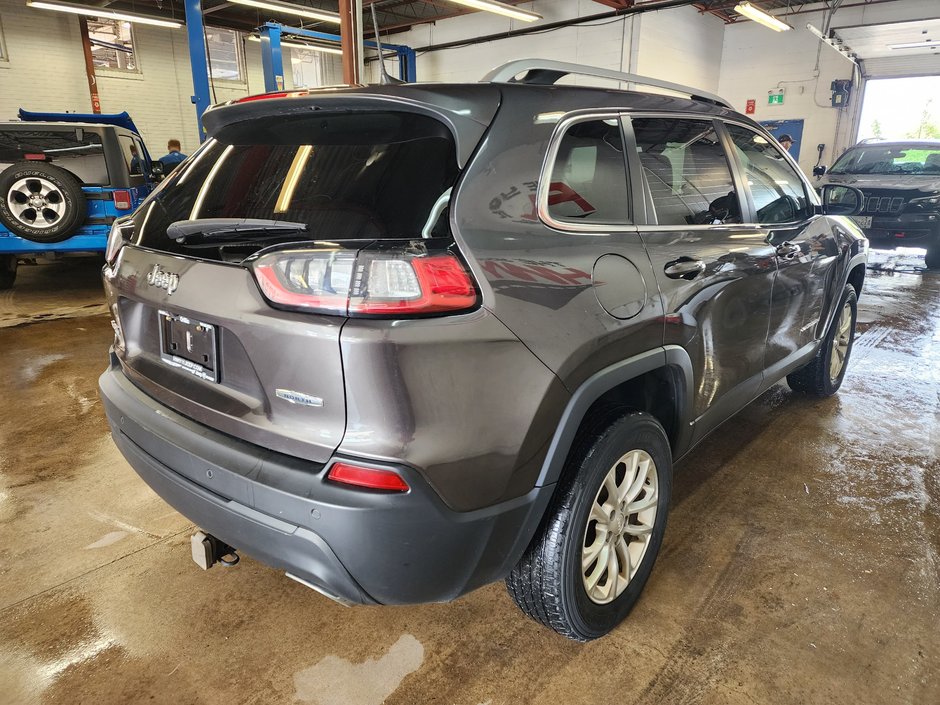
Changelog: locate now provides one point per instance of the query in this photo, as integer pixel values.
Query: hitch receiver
(208, 550)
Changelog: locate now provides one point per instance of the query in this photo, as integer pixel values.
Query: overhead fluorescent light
(500, 8)
(103, 12)
(301, 45)
(834, 44)
(755, 13)
(291, 9)
(916, 45)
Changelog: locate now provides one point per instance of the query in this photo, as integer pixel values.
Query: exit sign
(775, 97)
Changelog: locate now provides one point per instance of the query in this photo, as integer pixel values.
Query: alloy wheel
(619, 526)
(36, 202)
(840, 342)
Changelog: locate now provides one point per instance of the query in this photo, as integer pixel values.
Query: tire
(932, 258)
(41, 202)
(7, 271)
(816, 378)
(549, 583)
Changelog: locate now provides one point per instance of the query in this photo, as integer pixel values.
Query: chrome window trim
(548, 163)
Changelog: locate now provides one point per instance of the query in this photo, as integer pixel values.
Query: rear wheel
(823, 376)
(587, 565)
(7, 271)
(41, 202)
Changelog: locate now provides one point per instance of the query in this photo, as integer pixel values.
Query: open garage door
(895, 49)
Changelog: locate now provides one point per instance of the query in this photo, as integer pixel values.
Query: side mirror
(841, 200)
(156, 170)
(819, 171)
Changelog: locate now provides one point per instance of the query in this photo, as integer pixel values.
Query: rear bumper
(360, 546)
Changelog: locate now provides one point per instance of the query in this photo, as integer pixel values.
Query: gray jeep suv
(403, 341)
(901, 184)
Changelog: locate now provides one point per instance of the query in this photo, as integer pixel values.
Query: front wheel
(932, 258)
(823, 376)
(588, 563)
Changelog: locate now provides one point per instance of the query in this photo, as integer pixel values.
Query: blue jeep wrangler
(64, 178)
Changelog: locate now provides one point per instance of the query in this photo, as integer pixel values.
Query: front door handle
(787, 250)
(684, 268)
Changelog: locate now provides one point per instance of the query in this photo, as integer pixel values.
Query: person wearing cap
(786, 141)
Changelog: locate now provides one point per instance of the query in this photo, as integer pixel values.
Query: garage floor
(800, 563)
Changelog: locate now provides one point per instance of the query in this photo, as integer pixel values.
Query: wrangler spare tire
(41, 202)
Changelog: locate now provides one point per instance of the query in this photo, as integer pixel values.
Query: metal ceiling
(399, 15)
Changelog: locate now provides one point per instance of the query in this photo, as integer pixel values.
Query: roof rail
(545, 72)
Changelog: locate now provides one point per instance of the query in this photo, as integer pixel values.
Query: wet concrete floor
(800, 564)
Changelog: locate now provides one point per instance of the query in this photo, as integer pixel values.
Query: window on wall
(112, 44)
(3, 47)
(226, 55)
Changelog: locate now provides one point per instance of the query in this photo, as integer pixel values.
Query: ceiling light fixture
(916, 45)
(291, 9)
(500, 8)
(103, 12)
(755, 13)
(300, 45)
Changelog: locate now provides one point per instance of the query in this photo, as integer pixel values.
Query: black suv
(901, 183)
(403, 341)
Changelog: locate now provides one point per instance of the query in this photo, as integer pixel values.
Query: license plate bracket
(189, 345)
(862, 221)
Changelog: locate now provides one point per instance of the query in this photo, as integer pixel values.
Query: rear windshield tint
(74, 149)
(376, 175)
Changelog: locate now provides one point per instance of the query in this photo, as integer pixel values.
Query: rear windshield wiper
(213, 229)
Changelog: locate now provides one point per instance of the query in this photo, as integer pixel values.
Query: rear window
(376, 175)
(75, 149)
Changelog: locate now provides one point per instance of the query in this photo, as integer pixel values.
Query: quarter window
(777, 189)
(685, 166)
(112, 44)
(589, 177)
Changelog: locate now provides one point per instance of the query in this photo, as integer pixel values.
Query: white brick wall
(679, 45)
(46, 72)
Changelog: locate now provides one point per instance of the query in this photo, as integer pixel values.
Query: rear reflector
(367, 477)
(122, 200)
(34, 157)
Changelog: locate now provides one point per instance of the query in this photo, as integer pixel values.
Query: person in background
(136, 161)
(171, 160)
(786, 141)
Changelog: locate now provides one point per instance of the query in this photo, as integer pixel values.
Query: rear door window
(589, 178)
(376, 175)
(77, 150)
(687, 172)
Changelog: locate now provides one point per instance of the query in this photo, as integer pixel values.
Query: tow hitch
(208, 550)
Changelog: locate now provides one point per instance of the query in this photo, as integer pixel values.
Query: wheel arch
(658, 382)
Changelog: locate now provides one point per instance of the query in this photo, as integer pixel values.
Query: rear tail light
(388, 281)
(117, 238)
(122, 200)
(370, 478)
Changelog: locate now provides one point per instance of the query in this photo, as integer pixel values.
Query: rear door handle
(787, 250)
(684, 268)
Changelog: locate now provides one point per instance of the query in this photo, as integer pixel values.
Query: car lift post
(198, 61)
(272, 60)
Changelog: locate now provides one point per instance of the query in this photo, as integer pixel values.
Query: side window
(687, 172)
(589, 176)
(132, 155)
(112, 44)
(776, 187)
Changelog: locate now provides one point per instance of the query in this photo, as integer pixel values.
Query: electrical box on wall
(841, 92)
